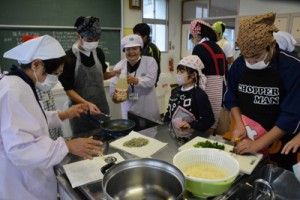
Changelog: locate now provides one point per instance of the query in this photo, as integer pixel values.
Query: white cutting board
(247, 162)
(145, 151)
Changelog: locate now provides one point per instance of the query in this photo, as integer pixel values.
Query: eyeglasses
(132, 49)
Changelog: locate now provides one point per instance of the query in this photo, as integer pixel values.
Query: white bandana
(44, 48)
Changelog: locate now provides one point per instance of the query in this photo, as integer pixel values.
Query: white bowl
(209, 156)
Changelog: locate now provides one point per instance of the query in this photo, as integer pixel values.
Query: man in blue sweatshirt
(263, 92)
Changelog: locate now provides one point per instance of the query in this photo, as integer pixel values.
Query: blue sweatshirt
(288, 66)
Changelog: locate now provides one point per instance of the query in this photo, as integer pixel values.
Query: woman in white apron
(141, 77)
(27, 153)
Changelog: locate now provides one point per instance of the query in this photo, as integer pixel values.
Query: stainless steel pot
(143, 179)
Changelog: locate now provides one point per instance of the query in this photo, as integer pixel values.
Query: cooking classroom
(150, 100)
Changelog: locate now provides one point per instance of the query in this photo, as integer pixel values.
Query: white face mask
(48, 84)
(259, 65)
(180, 79)
(89, 46)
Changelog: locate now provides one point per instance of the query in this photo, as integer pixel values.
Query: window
(155, 14)
(195, 9)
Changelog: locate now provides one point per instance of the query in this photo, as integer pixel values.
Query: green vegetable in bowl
(209, 144)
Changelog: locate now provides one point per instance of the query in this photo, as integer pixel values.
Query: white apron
(146, 105)
(27, 154)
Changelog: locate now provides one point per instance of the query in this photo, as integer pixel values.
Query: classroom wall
(175, 18)
(254, 7)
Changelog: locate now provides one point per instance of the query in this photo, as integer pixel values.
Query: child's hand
(184, 125)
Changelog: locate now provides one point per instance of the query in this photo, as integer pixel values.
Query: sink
(283, 182)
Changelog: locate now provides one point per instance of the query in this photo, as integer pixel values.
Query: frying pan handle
(106, 167)
(93, 118)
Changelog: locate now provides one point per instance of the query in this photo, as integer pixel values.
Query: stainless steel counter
(94, 190)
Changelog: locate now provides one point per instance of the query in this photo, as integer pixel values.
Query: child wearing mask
(84, 74)
(189, 107)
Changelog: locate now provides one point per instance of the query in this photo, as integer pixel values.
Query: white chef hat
(44, 48)
(285, 40)
(132, 41)
(195, 63)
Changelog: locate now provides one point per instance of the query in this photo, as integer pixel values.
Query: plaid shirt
(48, 104)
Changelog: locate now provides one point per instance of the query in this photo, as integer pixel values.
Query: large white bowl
(214, 157)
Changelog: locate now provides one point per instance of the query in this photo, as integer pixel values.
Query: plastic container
(121, 89)
(204, 188)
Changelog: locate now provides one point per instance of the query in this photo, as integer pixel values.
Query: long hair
(208, 32)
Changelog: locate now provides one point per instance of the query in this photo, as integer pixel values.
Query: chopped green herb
(209, 144)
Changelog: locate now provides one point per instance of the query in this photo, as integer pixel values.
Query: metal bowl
(143, 179)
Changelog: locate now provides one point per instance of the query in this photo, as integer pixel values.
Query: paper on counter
(146, 151)
(87, 171)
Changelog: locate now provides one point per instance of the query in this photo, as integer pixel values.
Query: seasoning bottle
(121, 90)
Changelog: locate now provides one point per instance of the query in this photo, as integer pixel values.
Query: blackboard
(109, 42)
(59, 12)
(56, 18)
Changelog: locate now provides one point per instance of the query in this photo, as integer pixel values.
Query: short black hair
(50, 65)
(143, 29)
(223, 28)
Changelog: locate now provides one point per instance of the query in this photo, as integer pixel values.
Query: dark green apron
(89, 84)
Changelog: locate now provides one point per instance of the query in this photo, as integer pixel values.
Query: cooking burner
(110, 159)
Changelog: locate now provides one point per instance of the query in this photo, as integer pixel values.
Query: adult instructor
(27, 153)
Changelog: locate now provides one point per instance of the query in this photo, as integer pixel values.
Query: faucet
(267, 185)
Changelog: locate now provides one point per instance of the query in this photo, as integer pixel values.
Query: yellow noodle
(205, 171)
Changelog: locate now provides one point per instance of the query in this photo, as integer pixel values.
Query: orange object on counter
(228, 135)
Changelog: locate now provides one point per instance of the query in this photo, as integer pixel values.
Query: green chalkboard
(56, 18)
(10, 37)
(59, 12)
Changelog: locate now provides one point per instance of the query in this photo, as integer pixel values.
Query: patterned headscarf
(88, 27)
(195, 27)
(256, 33)
(195, 63)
